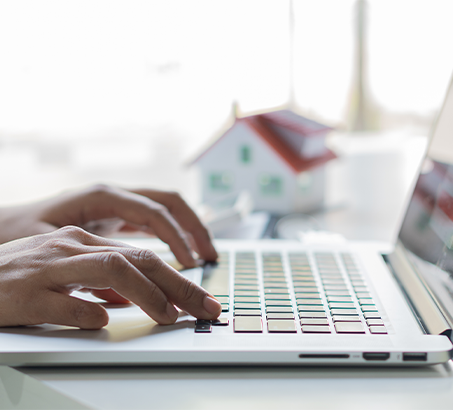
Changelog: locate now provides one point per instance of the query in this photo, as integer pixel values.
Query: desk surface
(254, 388)
(373, 178)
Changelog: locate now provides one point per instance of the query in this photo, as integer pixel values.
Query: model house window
(220, 181)
(246, 154)
(271, 185)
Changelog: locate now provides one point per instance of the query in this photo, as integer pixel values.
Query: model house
(278, 157)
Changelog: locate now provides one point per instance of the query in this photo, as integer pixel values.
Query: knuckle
(187, 291)
(113, 260)
(100, 190)
(146, 257)
(175, 197)
(72, 231)
(57, 245)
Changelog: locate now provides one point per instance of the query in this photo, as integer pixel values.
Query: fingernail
(211, 305)
(172, 312)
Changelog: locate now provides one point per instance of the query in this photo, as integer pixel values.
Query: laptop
(292, 303)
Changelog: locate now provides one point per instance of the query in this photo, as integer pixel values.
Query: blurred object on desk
(226, 212)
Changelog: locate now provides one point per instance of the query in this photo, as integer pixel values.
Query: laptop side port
(323, 356)
(415, 357)
(376, 356)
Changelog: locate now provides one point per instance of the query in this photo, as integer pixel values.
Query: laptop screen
(427, 230)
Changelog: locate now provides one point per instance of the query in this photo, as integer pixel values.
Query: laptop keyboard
(319, 293)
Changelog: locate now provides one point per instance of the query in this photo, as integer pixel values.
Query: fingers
(84, 260)
(112, 270)
(179, 290)
(109, 295)
(138, 210)
(186, 217)
(61, 309)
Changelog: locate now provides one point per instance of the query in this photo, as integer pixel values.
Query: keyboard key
(269, 285)
(279, 309)
(225, 307)
(272, 291)
(245, 271)
(332, 282)
(369, 308)
(339, 299)
(343, 318)
(375, 322)
(303, 278)
(246, 288)
(344, 305)
(349, 327)
(366, 302)
(335, 287)
(304, 284)
(248, 324)
(309, 301)
(344, 312)
(247, 312)
(241, 281)
(375, 330)
(360, 289)
(310, 308)
(245, 275)
(248, 293)
(306, 314)
(307, 289)
(338, 293)
(277, 297)
(307, 295)
(203, 327)
(280, 315)
(363, 295)
(221, 321)
(247, 306)
(312, 321)
(223, 299)
(281, 326)
(315, 329)
(267, 275)
(245, 299)
(371, 315)
(275, 280)
(270, 302)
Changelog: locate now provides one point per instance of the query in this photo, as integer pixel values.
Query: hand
(164, 214)
(37, 275)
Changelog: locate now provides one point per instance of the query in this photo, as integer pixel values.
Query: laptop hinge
(418, 294)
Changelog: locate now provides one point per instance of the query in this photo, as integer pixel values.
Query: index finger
(143, 211)
(186, 217)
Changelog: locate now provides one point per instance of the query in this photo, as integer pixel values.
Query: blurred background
(128, 92)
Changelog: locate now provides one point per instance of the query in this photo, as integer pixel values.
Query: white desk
(374, 177)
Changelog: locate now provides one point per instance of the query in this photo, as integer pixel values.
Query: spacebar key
(248, 324)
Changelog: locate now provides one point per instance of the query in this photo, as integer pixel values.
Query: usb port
(415, 357)
(377, 356)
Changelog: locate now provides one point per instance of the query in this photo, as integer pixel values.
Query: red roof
(260, 124)
(294, 122)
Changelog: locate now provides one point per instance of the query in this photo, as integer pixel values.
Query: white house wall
(224, 156)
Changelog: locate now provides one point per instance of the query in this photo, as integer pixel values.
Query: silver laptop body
(288, 303)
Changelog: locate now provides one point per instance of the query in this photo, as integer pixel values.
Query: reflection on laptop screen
(427, 230)
(428, 225)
